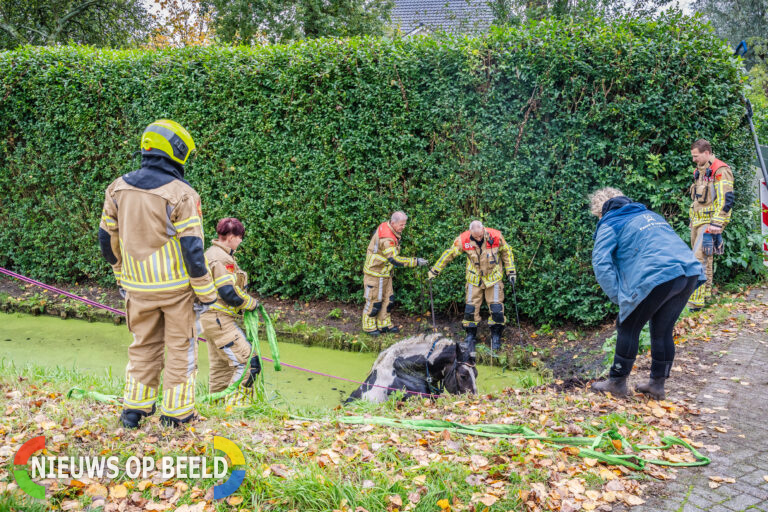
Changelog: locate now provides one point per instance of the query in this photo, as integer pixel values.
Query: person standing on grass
(649, 271)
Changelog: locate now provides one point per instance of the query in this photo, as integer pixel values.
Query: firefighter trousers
(379, 298)
(494, 297)
(703, 292)
(228, 355)
(161, 324)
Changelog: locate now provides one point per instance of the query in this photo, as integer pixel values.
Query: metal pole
(432, 305)
(517, 315)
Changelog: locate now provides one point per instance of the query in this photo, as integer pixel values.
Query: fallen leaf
(118, 491)
(590, 462)
(70, 505)
(488, 500)
(443, 504)
(713, 485)
(396, 500)
(94, 490)
(632, 500)
(235, 500)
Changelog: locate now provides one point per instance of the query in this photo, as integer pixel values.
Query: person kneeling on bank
(228, 348)
(649, 271)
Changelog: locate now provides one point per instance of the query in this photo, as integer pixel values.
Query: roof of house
(463, 16)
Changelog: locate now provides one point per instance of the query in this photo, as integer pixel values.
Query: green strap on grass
(93, 395)
(591, 445)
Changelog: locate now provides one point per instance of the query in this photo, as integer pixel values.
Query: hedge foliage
(313, 144)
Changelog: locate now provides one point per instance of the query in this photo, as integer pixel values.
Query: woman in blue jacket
(647, 269)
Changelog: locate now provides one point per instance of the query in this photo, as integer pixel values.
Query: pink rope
(122, 313)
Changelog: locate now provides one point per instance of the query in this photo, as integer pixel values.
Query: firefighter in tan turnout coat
(488, 259)
(712, 200)
(382, 256)
(151, 234)
(228, 348)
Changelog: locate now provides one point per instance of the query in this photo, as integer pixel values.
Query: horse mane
(413, 346)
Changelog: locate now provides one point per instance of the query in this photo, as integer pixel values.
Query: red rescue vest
(384, 231)
(495, 239)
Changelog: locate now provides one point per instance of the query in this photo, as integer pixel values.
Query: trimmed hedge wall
(313, 144)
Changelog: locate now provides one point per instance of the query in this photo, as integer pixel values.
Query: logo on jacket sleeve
(230, 268)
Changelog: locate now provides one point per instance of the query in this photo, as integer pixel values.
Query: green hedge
(313, 144)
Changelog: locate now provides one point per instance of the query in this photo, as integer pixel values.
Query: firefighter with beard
(151, 233)
(489, 257)
(712, 200)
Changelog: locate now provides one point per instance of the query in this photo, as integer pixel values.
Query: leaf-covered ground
(313, 462)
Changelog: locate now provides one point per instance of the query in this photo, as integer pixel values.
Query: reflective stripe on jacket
(154, 236)
(229, 279)
(486, 264)
(712, 194)
(383, 253)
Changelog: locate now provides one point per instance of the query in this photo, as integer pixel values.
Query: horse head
(461, 376)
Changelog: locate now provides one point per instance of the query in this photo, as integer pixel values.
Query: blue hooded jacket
(635, 251)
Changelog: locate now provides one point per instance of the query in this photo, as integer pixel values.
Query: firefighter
(382, 256)
(228, 347)
(488, 259)
(151, 233)
(712, 200)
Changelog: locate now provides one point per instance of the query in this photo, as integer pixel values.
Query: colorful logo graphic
(236, 458)
(21, 459)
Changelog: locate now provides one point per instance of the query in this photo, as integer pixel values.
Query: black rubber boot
(496, 330)
(616, 386)
(659, 373)
(391, 330)
(654, 388)
(132, 417)
(169, 421)
(373, 333)
(471, 335)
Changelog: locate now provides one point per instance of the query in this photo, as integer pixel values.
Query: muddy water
(99, 347)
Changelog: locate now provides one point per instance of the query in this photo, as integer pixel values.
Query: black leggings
(661, 307)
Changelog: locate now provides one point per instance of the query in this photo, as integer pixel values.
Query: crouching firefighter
(228, 348)
(382, 256)
(488, 258)
(151, 233)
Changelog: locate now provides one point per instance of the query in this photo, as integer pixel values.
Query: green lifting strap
(591, 444)
(251, 319)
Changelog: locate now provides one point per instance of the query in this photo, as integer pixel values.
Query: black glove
(719, 244)
(253, 372)
(708, 244)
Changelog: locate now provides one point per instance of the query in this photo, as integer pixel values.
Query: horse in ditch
(420, 365)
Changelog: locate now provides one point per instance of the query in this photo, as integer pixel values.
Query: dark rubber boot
(391, 330)
(496, 330)
(132, 417)
(659, 373)
(616, 386)
(373, 333)
(654, 388)
(471, 335)
(169, 421)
